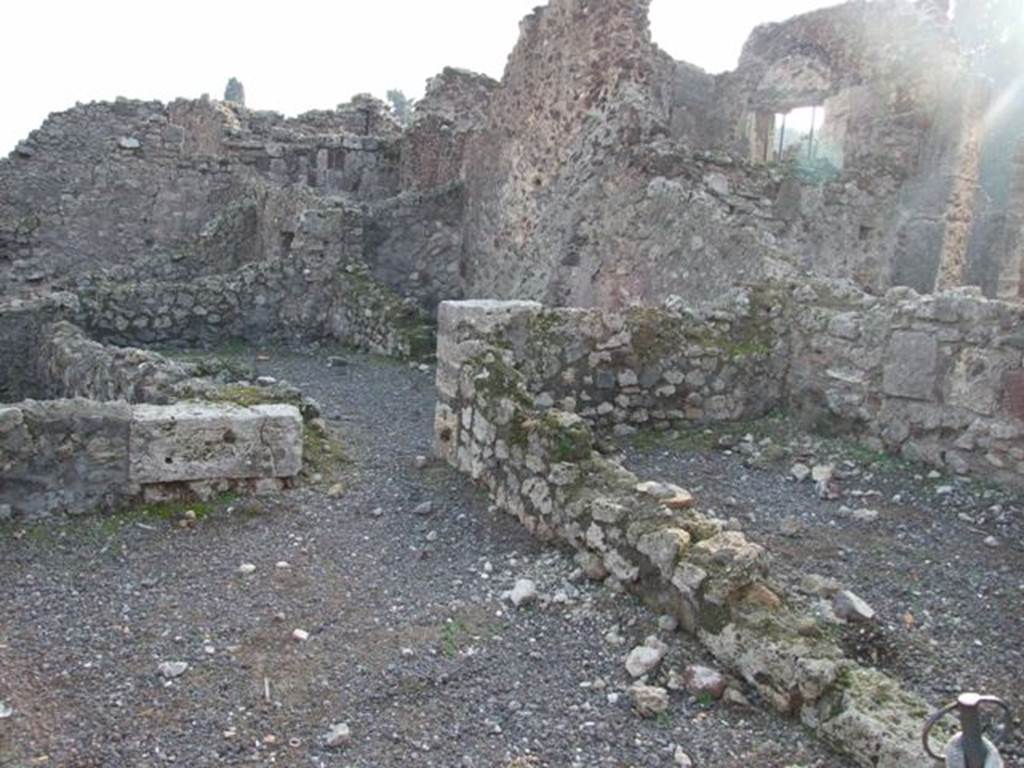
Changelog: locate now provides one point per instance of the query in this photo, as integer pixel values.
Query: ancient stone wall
(414, 239)
(350, 150)
(576, 92)
(270, 300)
(935, 378)
(413, 244)
(63, 456)
(898, 112)
(23, 326)
(565, 199)
(76, 456)
(102, 184)
(644, 367)
(453, 109)
(139, 190)
(92, 446)
(540, 466)
(299, 274)
(599, 172)
(68, 364)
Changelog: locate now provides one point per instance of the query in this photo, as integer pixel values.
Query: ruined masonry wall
(103, 184)
(540, 466)
(275, 299)
(117, 431)
(934, 378)
(63, 455)
(647, 368)
(135, 190)
(77, 456)
(22, 329)
(69, 365)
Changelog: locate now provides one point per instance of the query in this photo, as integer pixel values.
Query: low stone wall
(642, 367)
(276, 299)
(935, 378)
(541, 467)
(63, 456)
(68, 364)
(76, 456)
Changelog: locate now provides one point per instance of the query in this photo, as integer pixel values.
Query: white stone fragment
(681, 758)
(851, 607)
(649, 700)
(523, 593)
(339, 735)
(800, 472)
(172, 669)
(644, 658)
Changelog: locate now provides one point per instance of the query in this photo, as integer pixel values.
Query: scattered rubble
(644, 658)
(339, 735)
(172, 669)
(648, 700)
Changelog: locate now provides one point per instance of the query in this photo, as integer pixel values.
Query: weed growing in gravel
(36, 533)
(460, 629)
(705, 700)
(451, 636)
(663, 719)
(167, 511)
(102, 527)
(451, 633)
(322, 453)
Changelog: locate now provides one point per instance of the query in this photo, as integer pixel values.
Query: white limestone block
(200, 441)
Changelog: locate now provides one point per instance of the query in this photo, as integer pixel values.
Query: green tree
(235, 91)
(401, 106)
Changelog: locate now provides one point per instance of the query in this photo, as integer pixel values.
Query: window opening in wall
(803, 137)
(795, 133)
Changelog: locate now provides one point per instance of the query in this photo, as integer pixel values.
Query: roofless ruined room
(650, 396)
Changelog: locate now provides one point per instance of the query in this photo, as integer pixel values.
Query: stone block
(910, 365)
(201, 441)
(977, 378)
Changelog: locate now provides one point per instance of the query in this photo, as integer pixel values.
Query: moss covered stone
(566, 436)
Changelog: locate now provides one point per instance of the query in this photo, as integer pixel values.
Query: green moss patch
(322, 454)
(567, 437)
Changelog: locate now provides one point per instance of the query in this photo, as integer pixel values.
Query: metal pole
(810, 143)
(969, 748)
(970, 724)
(782, 136)
(768, 141)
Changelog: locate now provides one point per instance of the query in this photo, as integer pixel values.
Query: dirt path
(410, 643)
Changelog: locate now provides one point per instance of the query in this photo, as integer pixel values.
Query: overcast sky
(299, 55)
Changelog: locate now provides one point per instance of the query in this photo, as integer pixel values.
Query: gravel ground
(942, 561)
(410, 643)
